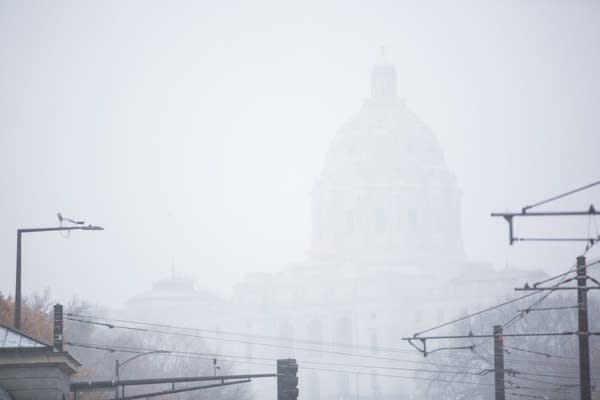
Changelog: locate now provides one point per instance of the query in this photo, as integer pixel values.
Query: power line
(166, 352)
(121, 348)
(573, 268)
(475, 314)
(560, 196)
(334, 352)
(82, 317)
(510, 322)
(352, 354)
(277, 346)
(397, 376)
(193, 355)
(548, 355)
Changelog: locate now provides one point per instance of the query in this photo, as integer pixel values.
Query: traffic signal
(287, 379)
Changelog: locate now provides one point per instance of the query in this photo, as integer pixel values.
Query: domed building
(174, 299)
(386, 256)
(385, 194)
(386, 260)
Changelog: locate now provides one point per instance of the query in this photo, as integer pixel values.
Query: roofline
(20, 332)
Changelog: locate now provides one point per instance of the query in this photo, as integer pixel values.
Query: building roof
(4, 395)
(11, 338)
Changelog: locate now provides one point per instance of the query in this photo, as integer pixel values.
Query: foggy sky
(193, 131)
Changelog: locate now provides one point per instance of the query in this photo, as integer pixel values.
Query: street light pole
(18, 277)
(118, 366)
(18, 284)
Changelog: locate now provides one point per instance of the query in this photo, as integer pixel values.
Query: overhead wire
(432, 362)
(571, 269)
(548, 355)
(476, 313)
(195, 354)
(313, 342)
(317, 350)
(77, 317)
(520, 315)
(167, 353)
(117, 348)
(560, 196)
(301, 364)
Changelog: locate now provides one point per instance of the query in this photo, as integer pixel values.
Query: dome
(384, 143)
(175, 298)
(385, 193)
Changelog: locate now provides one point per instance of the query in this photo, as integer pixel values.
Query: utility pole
(584, 339)
(498, 363)
(583, 331)
(117, 365)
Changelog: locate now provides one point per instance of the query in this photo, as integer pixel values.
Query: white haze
(193, 131)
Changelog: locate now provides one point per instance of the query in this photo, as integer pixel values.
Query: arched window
(343, 338)
(380, 220)
(374, 342)
(375, 389)
(343, 332)
(343, 385)
(412, 220)
(349, 222)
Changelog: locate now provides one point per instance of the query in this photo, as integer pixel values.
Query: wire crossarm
(509, 217)
(425, 352)
(90, 385)
(183, 389)
(477, 336)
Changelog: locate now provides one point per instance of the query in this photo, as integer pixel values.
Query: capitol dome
(385, 193)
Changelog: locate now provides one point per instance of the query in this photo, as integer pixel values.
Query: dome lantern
(383, 82)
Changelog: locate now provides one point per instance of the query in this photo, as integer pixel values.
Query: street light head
(92, 228)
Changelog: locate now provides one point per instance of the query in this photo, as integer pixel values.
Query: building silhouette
(386, 259)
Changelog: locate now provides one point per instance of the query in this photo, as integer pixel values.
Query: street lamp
(79, 225)
(118, 366)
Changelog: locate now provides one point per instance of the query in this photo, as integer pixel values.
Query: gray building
(31, 369)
